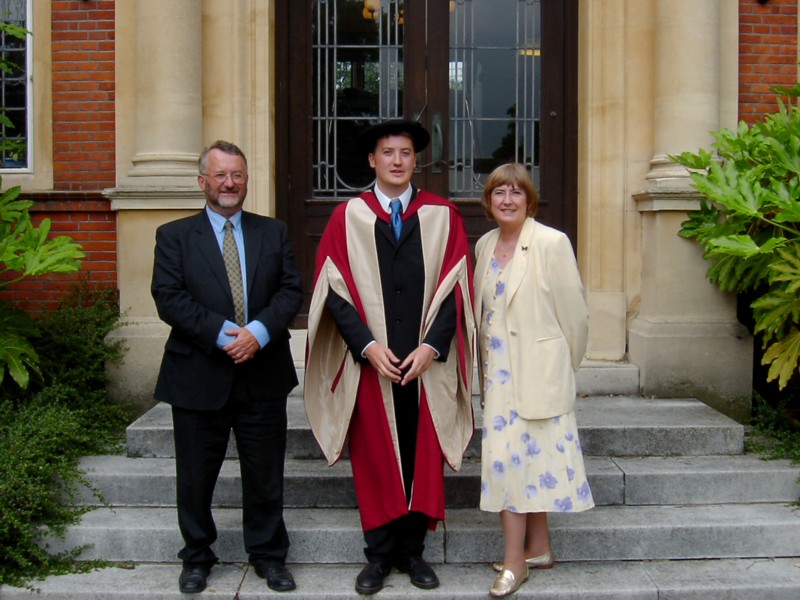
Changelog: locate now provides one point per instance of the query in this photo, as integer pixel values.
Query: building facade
(125, 94)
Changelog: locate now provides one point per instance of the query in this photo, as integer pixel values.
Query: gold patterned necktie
(232, 265)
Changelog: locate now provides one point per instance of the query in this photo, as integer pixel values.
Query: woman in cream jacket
(533, 327)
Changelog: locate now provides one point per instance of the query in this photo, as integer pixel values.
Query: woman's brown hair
(510, 174)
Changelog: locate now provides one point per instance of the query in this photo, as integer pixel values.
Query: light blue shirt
(257, 328)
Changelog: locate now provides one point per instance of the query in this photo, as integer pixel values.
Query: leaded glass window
(15, 66)
(494, 77)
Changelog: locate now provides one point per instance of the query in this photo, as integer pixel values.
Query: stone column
(686, 339)
(159, 137)
(169, 85)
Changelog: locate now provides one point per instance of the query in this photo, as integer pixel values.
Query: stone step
(125, 481)
(752, 579)
(609, 426)
(605, 533)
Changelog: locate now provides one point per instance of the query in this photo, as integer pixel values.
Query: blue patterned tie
(397, 220)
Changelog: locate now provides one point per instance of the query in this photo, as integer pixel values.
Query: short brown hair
(510, 174)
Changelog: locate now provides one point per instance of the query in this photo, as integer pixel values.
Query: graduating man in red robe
(389, 356)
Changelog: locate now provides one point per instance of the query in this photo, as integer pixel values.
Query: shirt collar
(218, 221)
(405, 198)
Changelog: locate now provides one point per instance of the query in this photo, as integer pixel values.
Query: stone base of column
(134, 379)
(710, 361)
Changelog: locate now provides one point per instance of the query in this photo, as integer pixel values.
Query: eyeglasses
(514, 193)
(237, 178)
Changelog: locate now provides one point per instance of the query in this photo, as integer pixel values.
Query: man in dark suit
(225, 281)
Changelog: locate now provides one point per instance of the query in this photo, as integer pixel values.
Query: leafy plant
(749, 224)
(45, 429)
(38, 485)
(25, 251)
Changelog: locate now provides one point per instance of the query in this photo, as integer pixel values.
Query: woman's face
(509, 206)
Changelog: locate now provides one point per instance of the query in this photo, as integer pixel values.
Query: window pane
(494, 89)
(358, 78)
(13, 86)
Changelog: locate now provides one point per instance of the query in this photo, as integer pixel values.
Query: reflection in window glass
(495, 66)
(358, 79)
(14, 68)
(494, 82)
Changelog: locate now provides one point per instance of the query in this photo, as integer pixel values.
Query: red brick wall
(83, 94)
(767, 54)
(86, 218)
(83, 151)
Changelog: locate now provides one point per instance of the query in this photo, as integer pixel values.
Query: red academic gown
(344, 394)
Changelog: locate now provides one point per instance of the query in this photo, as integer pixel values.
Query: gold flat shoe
(506, 583)
(543, 561)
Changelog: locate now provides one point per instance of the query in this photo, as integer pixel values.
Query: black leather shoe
(371, 578)
(419, 571)
(278, 578)
(193, 579)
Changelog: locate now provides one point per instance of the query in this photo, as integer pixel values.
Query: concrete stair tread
(126, 481)
(609, 426)
(777, 579)
(469, 535)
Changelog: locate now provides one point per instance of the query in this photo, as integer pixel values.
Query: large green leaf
(25, 250)
(16, 353)
(743, 245)
(18, 356)
(783, 357)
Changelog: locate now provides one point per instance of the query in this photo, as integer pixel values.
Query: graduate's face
(224, 182)
(394, 160)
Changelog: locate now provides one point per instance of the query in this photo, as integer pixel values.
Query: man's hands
(389, 366)
(244, 347)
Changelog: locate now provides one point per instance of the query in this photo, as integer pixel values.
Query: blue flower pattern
(527, 466)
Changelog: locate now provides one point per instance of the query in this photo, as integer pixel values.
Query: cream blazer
(547, 321)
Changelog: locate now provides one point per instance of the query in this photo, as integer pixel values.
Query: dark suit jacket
(193, 296)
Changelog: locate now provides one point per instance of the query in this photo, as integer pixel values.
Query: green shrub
(66, 412)
(39, 448)
(749, 225)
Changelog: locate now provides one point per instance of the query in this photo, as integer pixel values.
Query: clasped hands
(395, 370)
(244, 347)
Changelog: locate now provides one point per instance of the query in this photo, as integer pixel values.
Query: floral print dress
(526, 465)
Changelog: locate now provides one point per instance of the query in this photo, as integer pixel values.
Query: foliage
(25, 251)
(16, 351)
(776, 432)
(38, 484)
(64, 414)
(749, 224)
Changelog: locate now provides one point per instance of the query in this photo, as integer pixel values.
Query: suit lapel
(481, 267)
(252, 248)
(207, 246)
(519, 264)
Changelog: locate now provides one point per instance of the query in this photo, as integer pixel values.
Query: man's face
(224, 182)
(394, 160)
